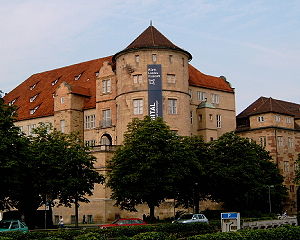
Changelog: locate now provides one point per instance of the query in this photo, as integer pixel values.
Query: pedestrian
(61, 222)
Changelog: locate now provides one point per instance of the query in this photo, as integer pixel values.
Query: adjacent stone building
(275, 125)
(98, 98)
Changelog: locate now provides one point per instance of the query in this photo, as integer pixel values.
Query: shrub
(153, 236)
(90, 236)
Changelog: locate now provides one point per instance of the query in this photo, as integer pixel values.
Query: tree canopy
(145, 169)
(240, 173)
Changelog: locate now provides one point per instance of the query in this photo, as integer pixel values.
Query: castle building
(98, 98)
(275, 125)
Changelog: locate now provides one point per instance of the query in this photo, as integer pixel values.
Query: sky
(255, 44)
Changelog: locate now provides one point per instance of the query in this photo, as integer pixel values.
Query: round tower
(152, 79)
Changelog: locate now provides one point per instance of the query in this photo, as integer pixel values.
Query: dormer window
(32, 111)
(33, 98)
(54, 82)
(33, 86)
(12, 102)
(77, 77)
(97, 74)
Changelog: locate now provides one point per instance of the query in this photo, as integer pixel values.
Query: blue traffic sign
(232, 215)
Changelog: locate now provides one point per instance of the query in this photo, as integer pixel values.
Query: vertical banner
(154, 91)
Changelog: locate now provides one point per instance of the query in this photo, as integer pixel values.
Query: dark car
(191, 218)
(124, 222)
(13, 225)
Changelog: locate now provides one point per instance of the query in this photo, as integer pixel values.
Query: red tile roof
(85, 86)
(266, 105)
(200, 79)
(154, 39)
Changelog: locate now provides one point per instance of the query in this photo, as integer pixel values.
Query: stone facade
(100, 106)
(277, 130)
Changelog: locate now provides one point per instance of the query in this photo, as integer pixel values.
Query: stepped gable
(43, 86)
(152, 38)
(200, 79)
(265, 105)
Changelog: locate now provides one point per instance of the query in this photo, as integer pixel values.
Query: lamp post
(270, 205)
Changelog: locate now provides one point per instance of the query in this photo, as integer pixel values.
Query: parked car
(124, 222)
(191, 218)
(13, 225)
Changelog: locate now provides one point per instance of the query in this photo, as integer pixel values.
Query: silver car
(191, 218)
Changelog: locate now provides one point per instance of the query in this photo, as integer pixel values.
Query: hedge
(281, 233)
(176, 230)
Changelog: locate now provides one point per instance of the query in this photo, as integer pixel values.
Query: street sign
(232, 215)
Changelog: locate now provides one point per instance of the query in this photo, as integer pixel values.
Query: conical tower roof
(151, 38)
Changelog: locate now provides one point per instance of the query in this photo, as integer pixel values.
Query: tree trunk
(151, 207)
(76, 212)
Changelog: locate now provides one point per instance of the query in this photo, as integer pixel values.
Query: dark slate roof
(152, 38)
(266, 105)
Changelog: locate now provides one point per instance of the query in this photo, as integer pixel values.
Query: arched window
(106, 140)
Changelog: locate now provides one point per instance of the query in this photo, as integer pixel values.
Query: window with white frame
(215, 98)
(138, 106)
(170, 58)
(172, 106)
(279, 141)
(290, 142)
(137, 58)
(277, 118)
(263, 141)
(106, 118)
(106, 86)
(90, 121)
(288, 120)
(62, 126)
(260, 119)
(154, 57)
(191, 93)
(219, 120)
(62, 100)
(90, 143)
(286, 166)
(137, 78)
(171, 78)
(30, 128)
(201, 96)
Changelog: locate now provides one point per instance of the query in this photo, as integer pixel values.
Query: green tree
(192, 186)
(239, 173)
(13, 147)
(145, 168)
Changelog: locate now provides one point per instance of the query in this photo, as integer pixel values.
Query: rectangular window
(288, 120)
(263, 141)
(219, 121)
(201, 96)
(170, 58)
(290, 142)
(138, 106)
(191, 117)
(277, 118)
(90, 143)
(73, 219)
(90, 121)
(286, 166)
(260, 119)
(106, 86)
(90, 219)
(154, 57)
(280, 141)
(171, 78)
(62, 100)
(30, 128)
(56, 219)
(137, 58)
(106, 118)
(172, 106)
(215, 98)
(190, 93)
(137, 78)
(62, 125)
